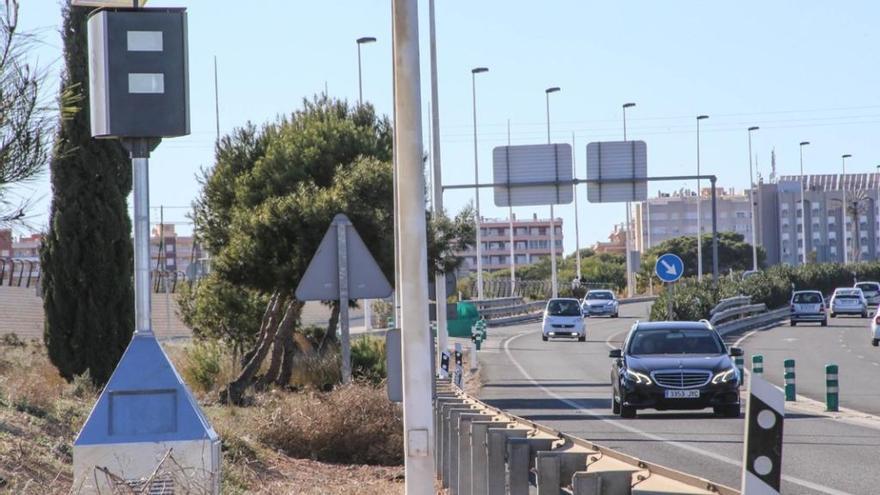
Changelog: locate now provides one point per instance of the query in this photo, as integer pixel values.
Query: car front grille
(556, 325)
(681, 378)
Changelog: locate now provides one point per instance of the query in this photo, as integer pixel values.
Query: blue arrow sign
(669, 267)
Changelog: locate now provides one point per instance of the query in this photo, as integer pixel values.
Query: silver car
(600, 302)
(871, 290)
(847, 300)
(808, 305)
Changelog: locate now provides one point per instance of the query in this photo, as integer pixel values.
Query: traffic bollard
(758, 365)
(831, 388)
(390, 322)
(790, 390)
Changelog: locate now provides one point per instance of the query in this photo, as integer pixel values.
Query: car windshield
(867, 286)
(563, 307)
(600, 295)
(807, 298)
(675, 341)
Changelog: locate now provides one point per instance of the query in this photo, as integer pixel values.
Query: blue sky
(802, 70)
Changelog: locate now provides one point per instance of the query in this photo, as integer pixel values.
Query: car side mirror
(615, 353)
(736, 351)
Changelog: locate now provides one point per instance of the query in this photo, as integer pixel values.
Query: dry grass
(352, 424)
(40, 415)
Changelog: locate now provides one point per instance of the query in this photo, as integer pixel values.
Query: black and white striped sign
(458, 369)
(762, 453)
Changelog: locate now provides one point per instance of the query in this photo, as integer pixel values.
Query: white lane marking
(657, 438)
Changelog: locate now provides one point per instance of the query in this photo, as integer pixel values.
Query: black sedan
(674, 366)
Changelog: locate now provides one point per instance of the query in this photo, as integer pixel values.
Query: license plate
(682, 394)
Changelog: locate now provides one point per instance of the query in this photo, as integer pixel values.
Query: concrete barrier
(483, 450)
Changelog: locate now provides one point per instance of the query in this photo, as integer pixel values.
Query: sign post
(669, 268)
(343, 269)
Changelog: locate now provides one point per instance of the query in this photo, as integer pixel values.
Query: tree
(86, 256)
(267, 202)
(733, 254)
(24, 122)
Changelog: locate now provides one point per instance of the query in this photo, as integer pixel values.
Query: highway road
(566, 385)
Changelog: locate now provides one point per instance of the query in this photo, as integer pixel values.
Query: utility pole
(439, 277)
(418, 427)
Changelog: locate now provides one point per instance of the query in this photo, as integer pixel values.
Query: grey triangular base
(145, 401)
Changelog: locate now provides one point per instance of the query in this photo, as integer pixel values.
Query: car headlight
(639, 378)
(724, 376)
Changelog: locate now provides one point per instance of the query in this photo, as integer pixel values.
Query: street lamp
(361, 41)
(699, 206)
(803, 203)
(474, 72)
(843, 212)
(629, 281)
(752, 200)
(547, 92)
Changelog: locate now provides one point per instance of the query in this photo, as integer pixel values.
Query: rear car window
(867, 286)
(563, 308)
(807, 298)
(675, 341)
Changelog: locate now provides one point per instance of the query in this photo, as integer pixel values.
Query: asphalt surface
(566, 385)
(845, 342)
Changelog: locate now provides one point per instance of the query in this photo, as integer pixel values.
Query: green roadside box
(466, 316)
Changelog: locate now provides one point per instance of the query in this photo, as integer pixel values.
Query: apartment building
(820, 228)
(531, 243)
(674, 215)
(172, 252)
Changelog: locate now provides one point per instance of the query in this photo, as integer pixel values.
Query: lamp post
(752, 200)
(699, 206)
(474, 72)
(843, 206)
(629, 278)
(803, 203)
(361, 41)
(552, 216)
(577, 234)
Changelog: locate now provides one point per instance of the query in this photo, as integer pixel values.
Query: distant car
(674, 365)
(600, 302)
(563, 318)
(871, 290)
(808, 305)
(875, 328)
(848, 301)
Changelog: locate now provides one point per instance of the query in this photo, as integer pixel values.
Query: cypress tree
(86, 256)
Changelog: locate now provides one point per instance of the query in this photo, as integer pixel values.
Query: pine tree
(86, 256)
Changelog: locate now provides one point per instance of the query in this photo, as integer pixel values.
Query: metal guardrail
(501, 311)
(730, 302)
(737, 312)
(534, 310)
(760, 320)
(481, 449)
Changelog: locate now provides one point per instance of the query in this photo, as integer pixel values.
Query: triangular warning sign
(321, 280)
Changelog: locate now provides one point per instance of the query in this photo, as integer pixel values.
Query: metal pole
(699, 207)
(803, 208)
(844, 213)
(140, 161)
(628, 232)
(342, 266)
(417, 379)
(752, 200)
(216, 101)
(553, 275)
(714, 232)
(512, 240)
(439, 277)
(360, 87)
(474, 73)
(577, 235)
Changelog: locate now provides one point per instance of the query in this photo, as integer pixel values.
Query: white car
(563, 318)
(847, 300)
(871, 290)
(600, 302)
(875, 328)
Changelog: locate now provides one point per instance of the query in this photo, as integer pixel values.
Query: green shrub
(202, 365)
(368, 359)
